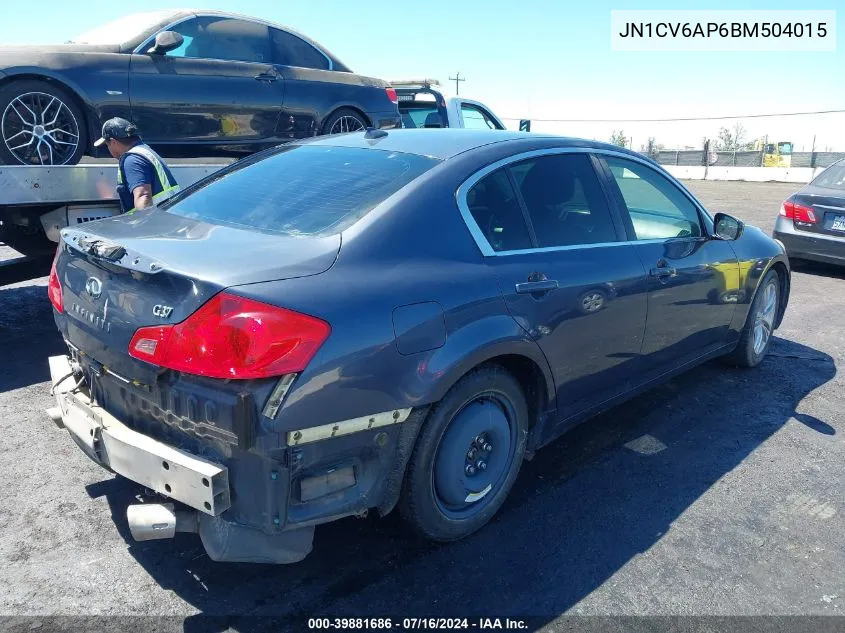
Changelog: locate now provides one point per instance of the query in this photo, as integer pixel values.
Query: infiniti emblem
(94, 287)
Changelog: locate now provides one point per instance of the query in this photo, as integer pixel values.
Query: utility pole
(457, 79)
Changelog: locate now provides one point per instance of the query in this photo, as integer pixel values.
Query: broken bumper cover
(196, 482)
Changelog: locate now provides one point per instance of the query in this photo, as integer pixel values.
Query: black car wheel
(467, 456)
(756, 336)
(343, 121)
(40, 125)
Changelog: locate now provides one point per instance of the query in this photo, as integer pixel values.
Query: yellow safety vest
(168, 188)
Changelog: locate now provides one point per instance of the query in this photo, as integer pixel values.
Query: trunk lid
(828, 206)
(151, 268)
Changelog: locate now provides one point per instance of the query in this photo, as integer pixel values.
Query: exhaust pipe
(150, 521)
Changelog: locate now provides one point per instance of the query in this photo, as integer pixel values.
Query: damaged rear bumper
(198, 483)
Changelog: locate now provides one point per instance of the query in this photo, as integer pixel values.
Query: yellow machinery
(775, 154)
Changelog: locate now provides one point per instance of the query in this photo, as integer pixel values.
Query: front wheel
(467, 456)
(756, 336)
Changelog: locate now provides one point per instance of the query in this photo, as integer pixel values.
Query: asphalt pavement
(719, 493)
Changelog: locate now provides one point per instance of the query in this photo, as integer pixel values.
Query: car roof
(445, 143)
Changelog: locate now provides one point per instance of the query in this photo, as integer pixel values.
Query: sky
(537, 59)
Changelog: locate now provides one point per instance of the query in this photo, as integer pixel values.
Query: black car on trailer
(197, 83)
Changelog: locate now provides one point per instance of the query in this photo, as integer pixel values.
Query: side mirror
(726, 227)
(166, 41)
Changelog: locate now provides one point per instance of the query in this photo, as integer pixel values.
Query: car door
(693, 278)
(566, 275)
(219, 85)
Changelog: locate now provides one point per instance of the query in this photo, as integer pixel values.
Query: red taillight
(391, 94)
(798, 212)
(233, 337)
(54, 286)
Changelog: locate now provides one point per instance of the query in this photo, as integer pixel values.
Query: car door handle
(268, 77)
(531, 287)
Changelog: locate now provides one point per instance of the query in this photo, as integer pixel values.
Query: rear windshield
(833, 177)
(416, 115)
(301, 189)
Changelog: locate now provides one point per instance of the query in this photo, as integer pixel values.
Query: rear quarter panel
(311, 96)
(415, 248)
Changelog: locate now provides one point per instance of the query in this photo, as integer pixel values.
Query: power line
(698, 118)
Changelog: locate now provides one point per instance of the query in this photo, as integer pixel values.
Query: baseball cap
(116, 128)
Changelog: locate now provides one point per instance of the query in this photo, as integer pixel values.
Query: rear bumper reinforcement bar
(194, 481)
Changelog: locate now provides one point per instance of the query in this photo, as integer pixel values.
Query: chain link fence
(741, 158)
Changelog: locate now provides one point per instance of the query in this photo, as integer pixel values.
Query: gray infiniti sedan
(385, 320)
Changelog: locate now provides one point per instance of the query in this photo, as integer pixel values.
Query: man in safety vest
(143, 178)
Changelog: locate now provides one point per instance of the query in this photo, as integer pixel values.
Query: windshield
(123, 29)
(301, 189)
(833, 177)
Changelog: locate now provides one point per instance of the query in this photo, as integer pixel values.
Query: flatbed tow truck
(37, 202)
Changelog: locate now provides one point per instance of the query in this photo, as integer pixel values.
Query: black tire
(746, 353)
(26, 240)
(346, 120)
(17, 89)
(422, 505)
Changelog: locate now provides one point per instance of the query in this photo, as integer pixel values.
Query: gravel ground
(719, 493)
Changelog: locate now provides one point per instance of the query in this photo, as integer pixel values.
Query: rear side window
(565, 201)
(832, 178)
(301, 189)
(290, 50)
(495, 208)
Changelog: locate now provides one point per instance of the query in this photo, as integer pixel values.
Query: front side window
(278, 192)
(223, 39)
(290, 50)
(658, 208)
(495, 208)
(475, 118)
(564, 199)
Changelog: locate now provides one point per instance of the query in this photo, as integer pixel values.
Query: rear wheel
(756, 336)
(467, 456)
(40, 125)
(343, 121)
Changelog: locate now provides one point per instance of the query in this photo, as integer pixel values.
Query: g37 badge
(162, 311)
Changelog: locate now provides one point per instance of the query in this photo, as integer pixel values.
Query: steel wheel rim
(765, 318)
(507, 452)
(39, 129)
(346, 124)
